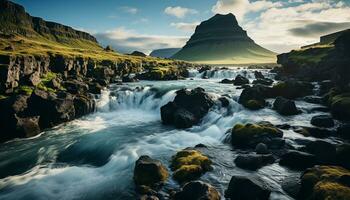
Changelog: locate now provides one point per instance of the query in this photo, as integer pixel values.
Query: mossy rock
(24, 89)
(149, 172)
(254, 104)
(340, 106)
(252, 134)
(189, 165)
(325, 182)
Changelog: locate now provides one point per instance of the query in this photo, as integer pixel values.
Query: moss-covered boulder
(189, 164)
(292, 89)
(254, 97)
(249, 135)
(325, 182)
(340, 106)
(149, 172)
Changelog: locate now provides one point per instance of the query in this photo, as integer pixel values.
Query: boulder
(263, 81)
(249, 135)
(292, 89)
(227, 81)
(325, 121)
(291, 185)
(28, 126)
(197, 190)
(285, 106)
(261, 148)
(297, 160)
(83, 105)
(250, 187)
(344, 131)
(187, 109)
(34, 79)
(340, 106)
(149, 172)
(253, 161)
(325, 182)
(314, 132)
(325, 152)
(254, 97)
(240, 80)
(342, 155)
(224, 101)
(258, 74)
(189, 164)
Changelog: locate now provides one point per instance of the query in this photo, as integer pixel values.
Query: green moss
(3, 97)
(309, 56)
(24, 89)
(340, 105)
(42, 86)
(324, 182)
(244, 134)
(48, 77)
(189, 164)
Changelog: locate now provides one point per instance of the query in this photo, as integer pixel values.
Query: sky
(145, 25)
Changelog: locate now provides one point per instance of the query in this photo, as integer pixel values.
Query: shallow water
(93, 157)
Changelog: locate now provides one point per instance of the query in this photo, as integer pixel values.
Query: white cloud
(188, 27)
(241, 7)
(126, 41)
(130, 10)
(179, 12)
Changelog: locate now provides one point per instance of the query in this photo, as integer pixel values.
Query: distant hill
(220, 40)
(164, 53)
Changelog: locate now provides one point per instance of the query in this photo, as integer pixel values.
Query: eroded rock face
(251, 187)
(197, 190)
(149, 172)
(187, 109)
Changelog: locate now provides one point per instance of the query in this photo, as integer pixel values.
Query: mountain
(220, 40)
(164, 53)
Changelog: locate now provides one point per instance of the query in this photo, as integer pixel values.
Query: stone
(324, 152)
(240, 80)
(189, 164)
(254, 97)
(344, 131)
(261, 148)
(149, 172)
(325, 182)
(28, 126)
(325, 121)
(291, 185)
(227, 81)
(297, 160)
(292, 89)
(263, 81)
(250, 187)
(83, 105)
(249, 135)
(197, 190)
(285, 106)
(34, 79)
(258, 74)
(253, 161)
(224, 101)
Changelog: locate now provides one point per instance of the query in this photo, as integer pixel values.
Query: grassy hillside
(234, 52)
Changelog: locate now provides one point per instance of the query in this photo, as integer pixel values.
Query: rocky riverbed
(225, 133)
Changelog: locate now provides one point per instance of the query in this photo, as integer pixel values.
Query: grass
(38, 45)
(311, 55)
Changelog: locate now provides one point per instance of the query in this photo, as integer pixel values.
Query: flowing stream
(93, 157)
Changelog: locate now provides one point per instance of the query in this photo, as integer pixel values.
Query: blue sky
(128, 25)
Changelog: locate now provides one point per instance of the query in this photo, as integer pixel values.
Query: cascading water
(93, 157)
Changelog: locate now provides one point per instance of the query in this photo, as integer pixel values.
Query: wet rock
(253, 161)
(95, 88)
(325, 86)
(224, 101)
(291, 185)
(340, 106)
(263, 81)
(285, 106)
(28, 126)
(342, 155)
(324, 182)
(324, 152)
(344, 131)
(197, 190)
(189, 164)
(250, 187)
(149, 172)
(313, 99)
(325, 121)
(83, 105)
(187, 109)
(258, 74)
(261, 148)
(227, 81)
(240, 80)
(297, 160)
(250, 135)
(254, 97)
(129, 79)
(292, 89)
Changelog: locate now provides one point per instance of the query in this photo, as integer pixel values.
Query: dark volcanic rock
(149, 172)
(263, 81)
(227, 81)
(247, 188)
(285, 106)
(322, 121)
(197, 190)
(292, 89)
(325, 152)
(253, 162)
(254, 97)
(240, 80)
(258, 75)
(298, 160)
(187, 109)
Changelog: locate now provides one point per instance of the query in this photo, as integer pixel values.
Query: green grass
(310, 56)
(24, 89)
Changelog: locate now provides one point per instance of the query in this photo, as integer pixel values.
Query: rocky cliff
(221, 39)
(15, 20)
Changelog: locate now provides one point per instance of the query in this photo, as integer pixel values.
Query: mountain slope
(220, 40)
(164, 53)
